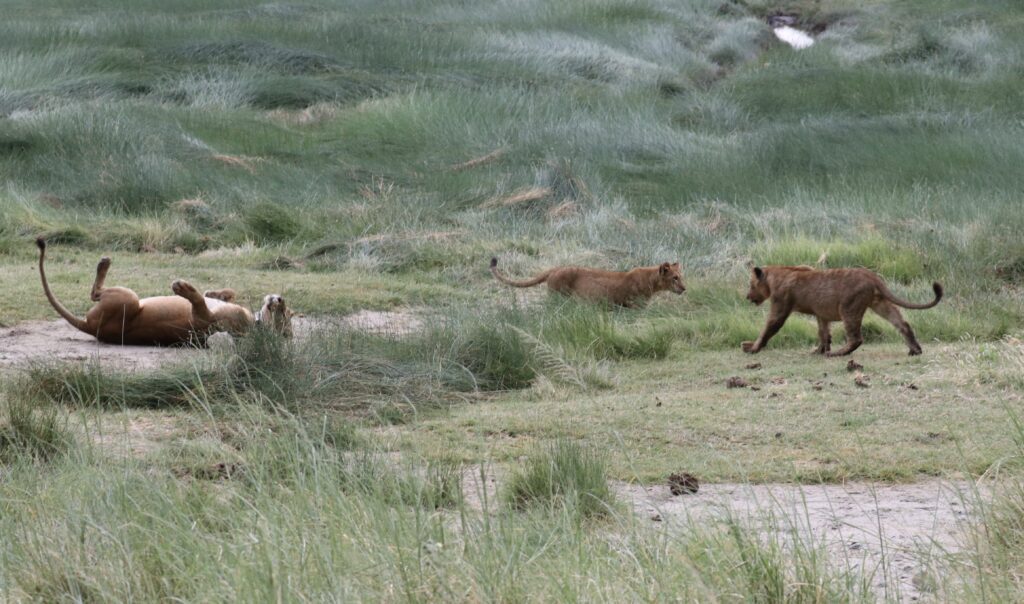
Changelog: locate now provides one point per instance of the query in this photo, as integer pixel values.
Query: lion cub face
(759, 290)
(671, 277)
(275, 315)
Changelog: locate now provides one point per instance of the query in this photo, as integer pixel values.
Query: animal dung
(683, 483)
(736, 382)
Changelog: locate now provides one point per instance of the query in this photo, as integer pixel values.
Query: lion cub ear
(675, 264)
(758, 273)
(664, 268)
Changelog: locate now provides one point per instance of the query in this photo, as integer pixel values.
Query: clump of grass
(496, 355)
(592, 332)
(89, 385)
(30, 431)
(563, 473)
(270, 223)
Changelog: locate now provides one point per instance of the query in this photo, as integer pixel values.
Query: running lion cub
(838, 294)
(615, 287)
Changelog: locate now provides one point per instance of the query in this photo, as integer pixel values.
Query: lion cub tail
(75, 322)
(541, 278)
(936, 287)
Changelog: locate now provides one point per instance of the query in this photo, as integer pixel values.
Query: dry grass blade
(491, 157)
(520, 197)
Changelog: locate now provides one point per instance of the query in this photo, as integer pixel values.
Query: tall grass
(30, 432)
(655, 131)
(562, 474)
(296, 516)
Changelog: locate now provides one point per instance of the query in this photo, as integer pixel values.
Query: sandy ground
(47, 341)
(41, 341)
(886, 530)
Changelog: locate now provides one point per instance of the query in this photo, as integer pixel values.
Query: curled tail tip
(937, 288)
(41, 243)
(494, 261)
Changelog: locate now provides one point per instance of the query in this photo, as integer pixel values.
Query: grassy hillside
(374, 154)
(405, 142)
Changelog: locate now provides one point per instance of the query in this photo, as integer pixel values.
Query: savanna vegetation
(374, 155)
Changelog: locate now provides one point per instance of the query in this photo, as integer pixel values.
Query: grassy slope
(663, 130)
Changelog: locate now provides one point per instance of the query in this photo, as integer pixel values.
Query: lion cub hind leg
(852, 320)
(115, 308)
(200, 311)
(891, 313)
(101, 276)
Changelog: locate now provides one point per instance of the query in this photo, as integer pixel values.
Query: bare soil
(889, 530)
(50, 341)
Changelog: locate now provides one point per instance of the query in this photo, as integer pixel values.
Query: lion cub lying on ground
(621, 288)
(120, 317)
(839, 294)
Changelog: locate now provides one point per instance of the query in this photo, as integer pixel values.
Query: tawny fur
(121, 317)
(839, 294)
(628, 288)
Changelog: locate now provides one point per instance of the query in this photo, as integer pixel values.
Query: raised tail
(541, 278)
(888, 295)
(75, 322)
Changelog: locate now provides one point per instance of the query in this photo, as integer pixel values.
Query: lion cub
(615, 287)
(838, 294)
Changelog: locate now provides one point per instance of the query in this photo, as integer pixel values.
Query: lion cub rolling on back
(839, 294)
(119, 316)
(624, 288)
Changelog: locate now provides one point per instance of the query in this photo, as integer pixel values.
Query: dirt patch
(383, 322)
(856, 523)
(47, 341)
(52, 341)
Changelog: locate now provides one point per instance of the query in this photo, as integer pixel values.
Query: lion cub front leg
(824, 337)
(201, 315)
(776, 319)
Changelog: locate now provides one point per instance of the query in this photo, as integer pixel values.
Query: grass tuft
(562, 474)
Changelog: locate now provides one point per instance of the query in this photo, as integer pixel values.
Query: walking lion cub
(839, 294)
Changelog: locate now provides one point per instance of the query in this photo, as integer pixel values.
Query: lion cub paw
(748, 347)
(184, 289)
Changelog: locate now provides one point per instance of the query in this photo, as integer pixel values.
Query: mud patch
(881, 529)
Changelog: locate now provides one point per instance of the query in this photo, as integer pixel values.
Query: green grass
(374, 155)
(662, 131)
(563, 474)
